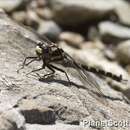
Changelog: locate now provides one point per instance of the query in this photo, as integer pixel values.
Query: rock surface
(54, 127)
(7, 125)
(122, 10)
(113, 33)
(67, 12)
(71, 12)
(49, 29)
(12, 120)
(45, 13)
(73, 39)
(35, 113)
(10, 5)
(123, 52)
(70, 103)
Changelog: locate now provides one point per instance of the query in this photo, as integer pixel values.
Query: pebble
(32, 19)
(11, 120)
(113, 33)
(49, 29)
(73, 39)
(45, 13)
(7, 125)
(10, 5)
(122, 10)
(71, 12)
(123, 52)
(19, 16)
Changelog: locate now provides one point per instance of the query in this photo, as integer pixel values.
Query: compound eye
(39, 43)
(38, 50)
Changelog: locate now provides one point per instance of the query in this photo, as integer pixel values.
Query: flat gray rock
(71, 12)
(123, 52)
(50, 29)
(113, 33)
(10, 5)
(7, 125)
(12, 120)
(122, 10)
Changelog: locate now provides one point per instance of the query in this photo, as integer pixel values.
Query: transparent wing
(88, 80)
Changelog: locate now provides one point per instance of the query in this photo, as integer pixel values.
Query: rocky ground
(95, 33)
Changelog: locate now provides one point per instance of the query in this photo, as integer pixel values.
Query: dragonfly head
(42, 49)
(39, 48)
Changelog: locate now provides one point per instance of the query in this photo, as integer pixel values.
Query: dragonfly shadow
(51, 79)
(66, 83)
(63, 82)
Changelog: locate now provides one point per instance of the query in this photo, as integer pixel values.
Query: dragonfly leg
(24, 62)
(43, 67)
(50, 68)
(56, 68)
(32, 61)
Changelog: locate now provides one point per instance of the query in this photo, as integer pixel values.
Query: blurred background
(94, 32)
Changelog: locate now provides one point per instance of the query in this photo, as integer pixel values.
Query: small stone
(10, 5)
(45, 13)
(32, 5)
(127, 93)
(11, 119)
(123, 52)
(71, 12)
(35, 113)
(5, 124)
(113, 33)
(19, 16)
(93, 33)
(122, 10)
(41, 3)
(32, 19)
(73, 39)
(93, 45)
(109, 54)
(128, 68)
(49, 29)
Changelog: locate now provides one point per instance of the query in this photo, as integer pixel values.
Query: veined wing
(88, 80)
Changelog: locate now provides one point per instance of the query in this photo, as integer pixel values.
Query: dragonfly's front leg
(43, 67)
(24, 62)
(47, 75)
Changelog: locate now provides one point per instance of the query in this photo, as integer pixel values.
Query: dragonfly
(49, 53)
